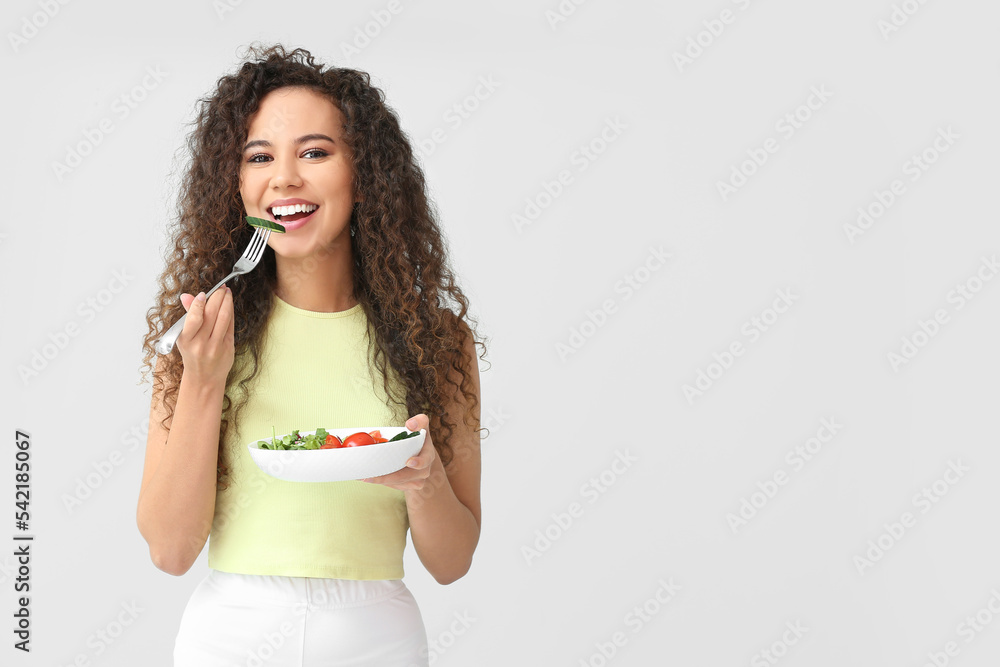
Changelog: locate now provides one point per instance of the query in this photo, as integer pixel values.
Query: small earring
(352, 231)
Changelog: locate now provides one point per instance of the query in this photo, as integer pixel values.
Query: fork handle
(165, 343)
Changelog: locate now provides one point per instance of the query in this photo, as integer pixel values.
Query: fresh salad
(323, 440)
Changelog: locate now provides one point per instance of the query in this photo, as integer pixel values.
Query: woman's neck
(316, 285)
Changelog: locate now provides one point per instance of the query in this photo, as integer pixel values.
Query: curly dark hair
(401, 274)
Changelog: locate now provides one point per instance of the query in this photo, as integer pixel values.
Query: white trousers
(249, 620)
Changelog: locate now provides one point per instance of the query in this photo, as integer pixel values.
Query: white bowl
(340, 464)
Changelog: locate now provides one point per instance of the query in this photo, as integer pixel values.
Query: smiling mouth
(292, 213)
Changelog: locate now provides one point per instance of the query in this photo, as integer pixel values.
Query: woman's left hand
(418, 467)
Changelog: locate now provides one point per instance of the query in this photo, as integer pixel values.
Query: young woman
(343, 323)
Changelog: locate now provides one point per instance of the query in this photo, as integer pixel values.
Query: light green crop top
(315, 370)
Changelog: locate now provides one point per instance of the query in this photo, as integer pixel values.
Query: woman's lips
(292, 225)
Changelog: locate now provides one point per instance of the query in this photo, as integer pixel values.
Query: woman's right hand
(207, 340)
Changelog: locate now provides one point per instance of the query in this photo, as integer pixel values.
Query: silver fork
(245, 264)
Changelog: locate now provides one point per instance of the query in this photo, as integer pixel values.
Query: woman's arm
(444, 506)
(177, 496)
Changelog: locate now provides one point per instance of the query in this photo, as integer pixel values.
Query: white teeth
(295, 208)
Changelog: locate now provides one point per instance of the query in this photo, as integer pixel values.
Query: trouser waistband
(313, 591)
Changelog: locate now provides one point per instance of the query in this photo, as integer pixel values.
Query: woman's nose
(285, 173)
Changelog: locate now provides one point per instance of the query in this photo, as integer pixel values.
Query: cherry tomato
(359, 439)
(378, 436)
(332, 442)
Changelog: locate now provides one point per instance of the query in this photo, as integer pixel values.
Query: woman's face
(295, 154)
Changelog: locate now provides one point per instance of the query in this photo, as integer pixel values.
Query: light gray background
(556, 420)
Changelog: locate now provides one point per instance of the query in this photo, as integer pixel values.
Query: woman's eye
(264, 157)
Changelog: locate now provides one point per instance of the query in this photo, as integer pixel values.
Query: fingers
(417, 422)
(206, 341)
(231, 332)
(209, 316)
(416, 473)
(423, 457)
(401, 476)
(195, 317)
(224, 320)
(399, 480)
(212, 308)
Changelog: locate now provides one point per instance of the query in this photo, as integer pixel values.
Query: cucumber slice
(266, 224)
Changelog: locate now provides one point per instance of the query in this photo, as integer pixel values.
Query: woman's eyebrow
(300, 140)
